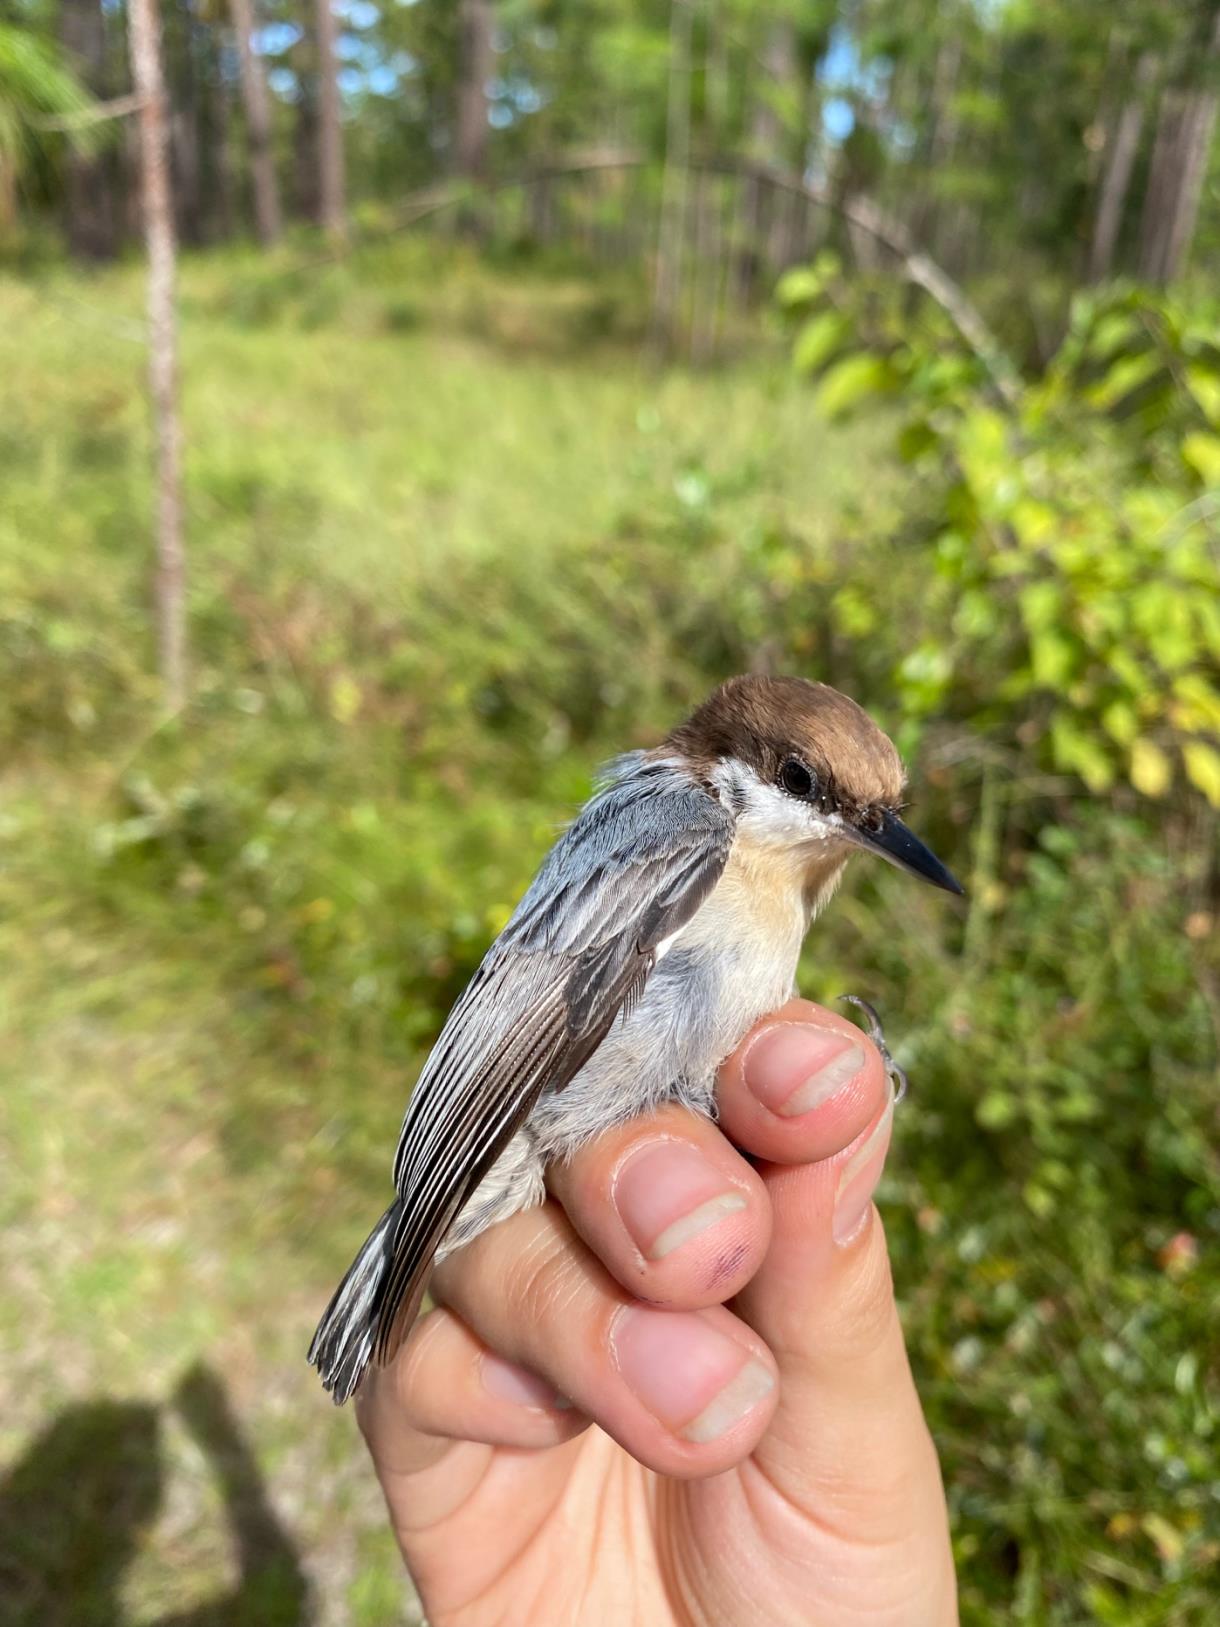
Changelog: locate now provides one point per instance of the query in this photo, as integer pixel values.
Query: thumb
(848, 1445)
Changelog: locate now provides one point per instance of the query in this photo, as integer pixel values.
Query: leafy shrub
(1069, 523)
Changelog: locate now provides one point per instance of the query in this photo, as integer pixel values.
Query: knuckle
(867, 1313)
(408, 1373)
(539, 1279)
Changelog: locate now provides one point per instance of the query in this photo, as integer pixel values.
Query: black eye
(796, 778)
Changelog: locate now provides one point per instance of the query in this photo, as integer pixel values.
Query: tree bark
(219, 182)
(332, 203)
(671, 233)
(1185, 125)
(772, 142)
(305, 133)
(177, 55)
(942, 138)
(1121, 150)
(705, 318)
(769, 141)
(474, 70)
(88, 191)
(145, 47)
(268, 221)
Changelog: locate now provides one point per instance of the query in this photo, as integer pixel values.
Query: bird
(662, 925)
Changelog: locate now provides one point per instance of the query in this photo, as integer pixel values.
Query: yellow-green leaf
(1206, 390)
(1151, 770)
(345, 698)
(1079, 751)
(1052, 658)
(1041, 606)
(817, 341)
(1202, 452)
(798, 286)
(1166, 1538)
(1203, 769)
(850, 381)
(1123, 379)
(1120, 722)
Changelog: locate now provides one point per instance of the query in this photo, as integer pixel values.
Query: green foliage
(440, 569)
(1071, 530)
(35, 86)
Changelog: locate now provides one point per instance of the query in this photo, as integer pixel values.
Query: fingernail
(859, 1176)
(689, 1374)
(794, 1067)
(508, 1382)
(668, 1193)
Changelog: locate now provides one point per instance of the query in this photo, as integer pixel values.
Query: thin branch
(919, 268)
(118, 108)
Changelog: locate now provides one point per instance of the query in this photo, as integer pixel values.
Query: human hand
(554, 1446)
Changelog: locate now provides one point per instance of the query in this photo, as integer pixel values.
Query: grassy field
(452, 543)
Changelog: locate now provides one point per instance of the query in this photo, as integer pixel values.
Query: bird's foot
(877, 1035)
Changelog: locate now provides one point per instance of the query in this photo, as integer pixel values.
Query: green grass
(452, 542)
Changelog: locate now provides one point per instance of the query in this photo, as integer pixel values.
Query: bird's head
(805, 768)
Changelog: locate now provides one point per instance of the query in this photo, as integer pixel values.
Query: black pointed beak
(893, 840)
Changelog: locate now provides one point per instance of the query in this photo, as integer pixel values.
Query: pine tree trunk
(332, 204)
(771, 140)
(671, 233)
(88, 194)
(305, 135)
(1185, 126)
(144, 41)
(941, 141)
(1122, 147)
(220, 185)
(1197, 136)
(178, 64)
(474, 70)
(268, 222)
(705, 319)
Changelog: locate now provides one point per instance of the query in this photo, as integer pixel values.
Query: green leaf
(1041, 605)
(1151, 770)
(1203, 769)
(1123, 379)
(1205, 387)
(800, 286)
(1081, 753)
(1201, 452)
(916, 438)
(797, 287)
(851, 381)
(1033, 522)
(1052, 658)
(1196, 705)
(997, 1110)
(818, 340)
(1113, 329)
(1120, 722)
(803, 284)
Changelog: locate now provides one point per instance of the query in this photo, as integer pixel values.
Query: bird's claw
(877, 1035)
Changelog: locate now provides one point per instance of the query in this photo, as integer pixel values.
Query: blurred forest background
(542, 363)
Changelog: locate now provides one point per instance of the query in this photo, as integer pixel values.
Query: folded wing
(630, 872)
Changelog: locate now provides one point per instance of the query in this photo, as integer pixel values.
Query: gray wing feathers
(633, 868)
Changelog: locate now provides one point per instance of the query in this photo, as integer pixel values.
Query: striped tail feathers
(343, 1343)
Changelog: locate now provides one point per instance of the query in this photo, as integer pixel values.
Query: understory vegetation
(453, 543)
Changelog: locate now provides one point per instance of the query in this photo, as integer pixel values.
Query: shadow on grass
(77, 1506)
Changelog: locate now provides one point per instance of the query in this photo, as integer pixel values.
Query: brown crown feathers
(766, 721)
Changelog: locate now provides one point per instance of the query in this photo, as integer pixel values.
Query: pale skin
(554, 1446)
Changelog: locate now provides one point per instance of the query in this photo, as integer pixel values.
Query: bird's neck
(784, 887)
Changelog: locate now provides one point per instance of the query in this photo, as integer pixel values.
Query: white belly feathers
(732, 963)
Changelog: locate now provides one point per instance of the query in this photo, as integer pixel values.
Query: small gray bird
(662, 925)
